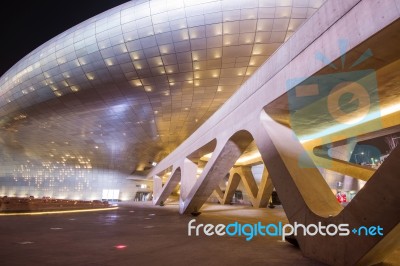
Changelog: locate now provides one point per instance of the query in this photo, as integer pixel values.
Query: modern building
(215, 100)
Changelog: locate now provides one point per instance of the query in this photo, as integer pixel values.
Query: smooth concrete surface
(303, 191)
(153, 235)
(376, 204)
(259, 196)
(189, 171)
(161, 192)
(222, 159)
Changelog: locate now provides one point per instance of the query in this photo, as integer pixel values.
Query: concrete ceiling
(126, 87)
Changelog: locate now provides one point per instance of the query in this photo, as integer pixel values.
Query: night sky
(25, 25)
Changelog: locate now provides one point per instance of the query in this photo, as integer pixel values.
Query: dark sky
(25, 25)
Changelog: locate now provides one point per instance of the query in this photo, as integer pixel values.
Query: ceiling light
(109, 62)
(136, 82)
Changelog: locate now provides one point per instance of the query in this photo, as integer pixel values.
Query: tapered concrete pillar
(307, 200)
(293, 173)
(219, 195)
(242, 173)
(249, 182)
(189, 171)
(157, 188)
(264, 190)
(221, 161)
(258, 196)
(168, 187)
(233, 183)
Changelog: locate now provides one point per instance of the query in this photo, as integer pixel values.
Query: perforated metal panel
(126, 87)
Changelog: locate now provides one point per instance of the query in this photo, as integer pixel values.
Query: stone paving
(139, 233)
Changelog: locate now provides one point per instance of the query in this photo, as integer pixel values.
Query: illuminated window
(110, 194)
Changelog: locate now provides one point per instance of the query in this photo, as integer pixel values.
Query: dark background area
(25, 25)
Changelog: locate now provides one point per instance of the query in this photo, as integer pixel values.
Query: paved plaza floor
(142, 234)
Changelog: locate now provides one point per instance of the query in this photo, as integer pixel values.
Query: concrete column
(157, 188)
(169, 186)
(264, 191)
(308, 200)
(293, 173)
(249, 182)
(223, 158)
(233, 183)
(189, 171)
(244, 173)
(219, 195)
(258, 196)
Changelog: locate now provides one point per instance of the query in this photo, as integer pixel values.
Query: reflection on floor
(139, 233)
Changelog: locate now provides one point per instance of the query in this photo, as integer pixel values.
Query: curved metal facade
(126, 87)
